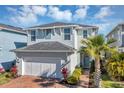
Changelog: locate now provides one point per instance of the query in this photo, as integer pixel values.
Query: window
(44, 34)
(122, 28)
(41, 34)
(33, 35)
(48, 34)
(58, 31)
(123, 40)
(85, 34)
(80, 32)
(67, 34)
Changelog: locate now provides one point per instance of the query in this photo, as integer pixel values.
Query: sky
(105, 17)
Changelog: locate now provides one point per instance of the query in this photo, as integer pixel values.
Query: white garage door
(46, 67)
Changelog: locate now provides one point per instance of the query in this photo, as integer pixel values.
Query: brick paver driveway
(37, 82)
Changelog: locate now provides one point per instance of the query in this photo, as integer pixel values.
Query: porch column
(23, 69)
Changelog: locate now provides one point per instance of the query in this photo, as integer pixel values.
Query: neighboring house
(10, 38)
(53, 46)
(118, 34)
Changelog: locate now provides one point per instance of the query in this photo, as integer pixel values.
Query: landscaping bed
(108, 83)
(4, 78)
(72, 80)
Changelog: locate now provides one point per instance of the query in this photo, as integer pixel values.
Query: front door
(86, 62)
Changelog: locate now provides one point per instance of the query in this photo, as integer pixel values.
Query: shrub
(121, 56)
(13, 71)
(116, 57)
(75, 77)
(115, 70)
(115, 66)
(77, 72)
(8, 75)
(72, 80)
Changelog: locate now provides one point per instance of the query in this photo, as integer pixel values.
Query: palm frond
(110, 41)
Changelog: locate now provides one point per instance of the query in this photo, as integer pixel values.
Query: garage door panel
(35, 68)
(28, 68)
(43, 67)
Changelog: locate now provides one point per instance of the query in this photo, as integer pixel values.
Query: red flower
(64, 72)
(2, 70)
(14, 69)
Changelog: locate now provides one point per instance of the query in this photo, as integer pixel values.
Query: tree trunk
(97, 75)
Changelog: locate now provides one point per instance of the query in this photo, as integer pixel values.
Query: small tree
(95, 48)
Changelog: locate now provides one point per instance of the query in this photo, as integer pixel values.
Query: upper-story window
(67, 34)
(122, 40)
(58, 31)
(33, 35)
(44, 34)
(48, 34)
(122, 28)
(85, 34)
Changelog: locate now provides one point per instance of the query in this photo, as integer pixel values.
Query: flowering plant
(2, 70)
(65, 73)
(14, 70)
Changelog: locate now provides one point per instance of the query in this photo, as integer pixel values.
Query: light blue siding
(55, 35)
(8, 41)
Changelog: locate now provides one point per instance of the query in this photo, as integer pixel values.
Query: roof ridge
(51, 24)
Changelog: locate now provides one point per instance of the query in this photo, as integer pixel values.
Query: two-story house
(53, 46)
(118, 34)
(10, 38)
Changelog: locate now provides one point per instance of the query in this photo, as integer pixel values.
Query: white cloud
(104, 12)
(27, 15)
(11, 9)
(57, 14)
(81, 12)
(39, 10)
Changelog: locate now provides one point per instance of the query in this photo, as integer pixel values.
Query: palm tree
(95, 47)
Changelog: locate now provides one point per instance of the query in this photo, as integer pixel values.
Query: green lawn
(4, 79)
(107, 83)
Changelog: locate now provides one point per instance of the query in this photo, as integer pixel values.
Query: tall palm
(95, 47)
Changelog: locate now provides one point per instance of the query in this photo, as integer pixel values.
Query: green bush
(72, 80)
(77, 71)
(116, 57)
(75, 77)
(115, 70)
(8, 75)
(115, 66)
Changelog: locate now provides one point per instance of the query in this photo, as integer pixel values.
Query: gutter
(13, 30)
(31, 51)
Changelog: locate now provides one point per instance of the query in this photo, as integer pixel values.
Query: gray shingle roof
(61, 24)
(51, 46)
(13, 28)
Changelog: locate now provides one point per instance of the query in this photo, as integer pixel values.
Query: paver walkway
(37, 82)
